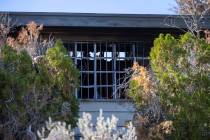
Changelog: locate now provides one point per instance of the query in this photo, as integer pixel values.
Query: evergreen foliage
(182, 69)
(31, 91)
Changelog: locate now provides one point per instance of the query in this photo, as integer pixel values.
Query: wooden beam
(100, 20)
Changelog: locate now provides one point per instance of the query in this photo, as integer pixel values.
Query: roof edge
(101, 20)
(84, 14)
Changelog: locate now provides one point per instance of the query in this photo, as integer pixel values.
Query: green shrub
(182, 69)
(31, 91)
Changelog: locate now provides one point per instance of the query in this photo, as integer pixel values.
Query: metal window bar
(106, 73)
(95, 75)
(100, 89)
(114, 65)
(75, 62)
(114, 71)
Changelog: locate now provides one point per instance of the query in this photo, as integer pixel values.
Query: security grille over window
(102, 66)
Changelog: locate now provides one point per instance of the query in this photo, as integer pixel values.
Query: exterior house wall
(123, 110)
(103, 27)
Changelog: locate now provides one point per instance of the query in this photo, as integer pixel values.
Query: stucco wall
(123, 110)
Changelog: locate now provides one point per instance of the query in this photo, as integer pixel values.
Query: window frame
(116, 71)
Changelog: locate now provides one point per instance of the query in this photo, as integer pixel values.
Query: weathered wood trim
(100, 20)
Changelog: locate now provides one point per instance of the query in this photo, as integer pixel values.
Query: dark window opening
(102, 66)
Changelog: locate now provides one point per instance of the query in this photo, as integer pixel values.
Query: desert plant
(194, 14)
(29, 94)
(149, 120)
(177, 89)
(181, 67)
(104, 129)
(56, 131)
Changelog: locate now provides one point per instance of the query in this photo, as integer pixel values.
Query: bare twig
(193, 13)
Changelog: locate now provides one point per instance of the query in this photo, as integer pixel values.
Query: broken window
(102, 66)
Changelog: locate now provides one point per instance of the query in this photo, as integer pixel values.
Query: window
(102, 66)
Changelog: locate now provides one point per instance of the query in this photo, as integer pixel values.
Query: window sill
(104, 100)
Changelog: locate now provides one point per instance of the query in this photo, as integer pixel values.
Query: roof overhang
(101, 20)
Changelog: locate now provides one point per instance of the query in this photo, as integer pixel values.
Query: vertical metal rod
(75, 62)
(81, 69)
(106, 73)
(95, 74)
(143, 53)
(100, 72)
(134, 53)
(124, 46)
(88, 69)
(114, 70)
(119, 69)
